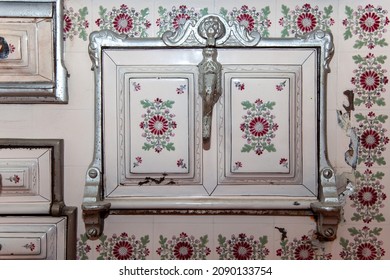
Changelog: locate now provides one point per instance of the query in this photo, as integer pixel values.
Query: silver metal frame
(55, 91)
(194, 35)
(58, 207)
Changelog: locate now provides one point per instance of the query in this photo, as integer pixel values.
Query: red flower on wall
(247, 21)
(366, 251)
(306, 22)
(370, 22)
(370, 139)
(304, 252)
(242, 250)
(367, 196)
(123, 23)
(369, 80)
(180, 20)
(122, 250)
(67, 23)
(183, 251)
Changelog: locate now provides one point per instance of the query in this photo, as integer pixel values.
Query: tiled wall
(359, 66)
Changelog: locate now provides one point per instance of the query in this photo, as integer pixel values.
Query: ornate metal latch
(210, 73)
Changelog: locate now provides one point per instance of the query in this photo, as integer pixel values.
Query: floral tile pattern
(183, 247)
(367, 25)
(123, 247)
(250, 19)
(370, 80)
(368, 197)
(171, 20)
(373, 138)
(83, 248)
(242, 247)
(364, 246)
(300, 20)
(75, 23)
(124, 20)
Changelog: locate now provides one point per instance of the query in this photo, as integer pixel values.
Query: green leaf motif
(246, 149)
(246, 104)
(145, 240)
(147, 147)
(344, 242)
(266, 11)
(146, 103)
(285, 10)
(358, 59)
(347, 34)
(83, 12)
(349, 11)
(382, 118)
(170, 147)
(358, 44)
(359, 117)
(353, 231)
(328, 10)
(221, 239)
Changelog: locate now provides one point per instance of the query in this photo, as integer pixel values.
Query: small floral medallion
(250, 19)
(242, 247)
(373, 139)
(83, 248)
(283, 162)
(304, 248)
(368, 197)
(180, 163)
(137, 161)
(124, 20)
(369, 80)
(158, 125)
(281, 86)
(240, 86)
(364, 246)
(30, 246)
(183, 247)
(367, 24)
(14, 179)
(259, 127)
(75, 23)
(123, 247)
(302, 20)
(171, 20)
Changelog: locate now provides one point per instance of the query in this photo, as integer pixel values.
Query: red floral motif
(370, 22)
(180, 20)
(370, 139)
(369, 80)
(123, 23)
(247, 21)
(304, 252)
(67, 23)
(183, 251)
(366, 251)
(242, 250)
(367, 196)
(259, 126)
(122, 250)
(306, 22)
(158, 125)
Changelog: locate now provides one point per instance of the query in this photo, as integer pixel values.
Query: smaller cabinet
(33, 238)
(35, 223)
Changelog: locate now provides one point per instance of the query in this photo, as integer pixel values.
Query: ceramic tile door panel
(25, 180)
(152, 124)
(32, 238)
(153, 135)
(264, 120)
